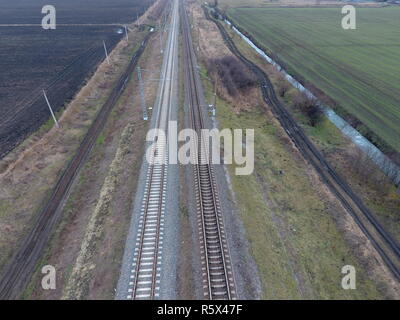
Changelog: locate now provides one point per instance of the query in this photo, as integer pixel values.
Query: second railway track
(218, 278)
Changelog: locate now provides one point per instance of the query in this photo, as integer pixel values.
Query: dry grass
(78, 282)
(210, 47)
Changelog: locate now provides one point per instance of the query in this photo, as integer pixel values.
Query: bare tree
(368, 172)
(233, 74)
(283, 85)
(309, 107)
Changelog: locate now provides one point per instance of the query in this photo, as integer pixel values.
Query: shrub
(283, 85)
(233, 74)
(308, 107)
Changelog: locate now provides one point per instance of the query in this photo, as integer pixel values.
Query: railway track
(217, 273)
(382, 241)
(147, 257)
(145, 277)
(18, 272)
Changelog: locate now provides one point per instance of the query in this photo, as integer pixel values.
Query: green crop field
(359, 69)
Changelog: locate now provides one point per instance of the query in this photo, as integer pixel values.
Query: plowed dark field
(32, 59)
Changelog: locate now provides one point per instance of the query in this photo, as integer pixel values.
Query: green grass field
(358, 69)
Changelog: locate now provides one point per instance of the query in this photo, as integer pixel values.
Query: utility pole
(51, 110)
(214, 83)
(126, 33)
(198, 38)
(159, 27)
(141, 87)
(105, 49)
(165, 17)
(215, 93)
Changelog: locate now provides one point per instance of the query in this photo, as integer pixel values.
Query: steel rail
(207, 195)
(158, 180)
